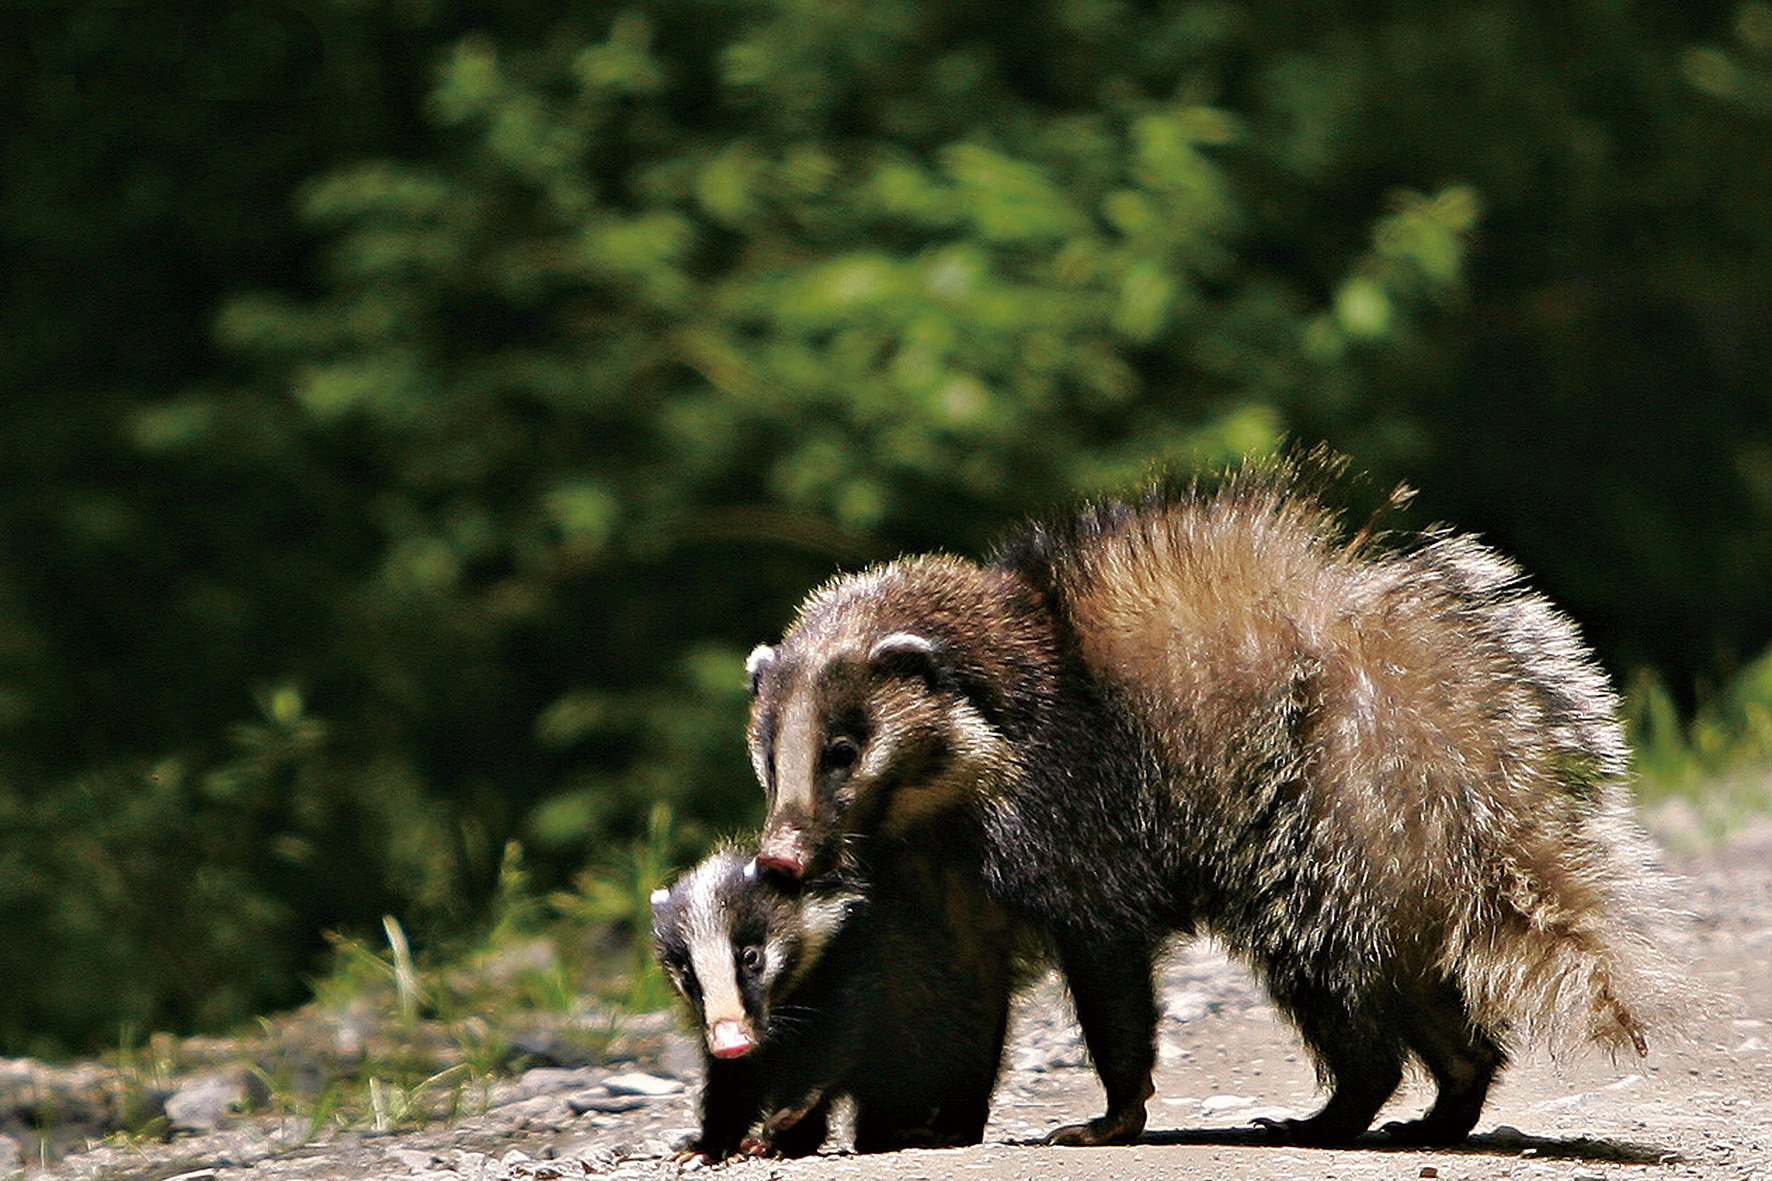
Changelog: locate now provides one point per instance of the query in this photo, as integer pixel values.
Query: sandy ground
(1701, 1109)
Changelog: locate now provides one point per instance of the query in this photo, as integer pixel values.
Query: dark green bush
(405, 454)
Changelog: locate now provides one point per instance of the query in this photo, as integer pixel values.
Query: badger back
(897, 697)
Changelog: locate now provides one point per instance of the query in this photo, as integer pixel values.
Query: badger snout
(730, 1037)
(783, 851)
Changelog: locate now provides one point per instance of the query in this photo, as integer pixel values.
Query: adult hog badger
(889, 987)
(1388, 777)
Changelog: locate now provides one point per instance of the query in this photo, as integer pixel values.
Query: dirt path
(1701, 1110)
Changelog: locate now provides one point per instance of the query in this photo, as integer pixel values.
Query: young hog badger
(892, 989)
(1387, 779)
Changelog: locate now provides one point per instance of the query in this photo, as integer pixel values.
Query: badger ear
(904, 649)
(757, 663)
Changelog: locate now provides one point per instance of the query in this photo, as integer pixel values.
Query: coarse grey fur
(1389, 777)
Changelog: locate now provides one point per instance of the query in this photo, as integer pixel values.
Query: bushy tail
(1585, 964)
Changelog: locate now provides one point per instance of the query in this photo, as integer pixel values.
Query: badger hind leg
(1362, 1079)
(1359, 1054)
(1461, 1055)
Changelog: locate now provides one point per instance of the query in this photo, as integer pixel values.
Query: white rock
(468, 1163)
(204, 1104)
(414, 1158)
(538, 1079)
(637, 1083)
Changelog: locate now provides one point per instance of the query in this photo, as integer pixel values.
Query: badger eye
(751, 959)
(841, 753)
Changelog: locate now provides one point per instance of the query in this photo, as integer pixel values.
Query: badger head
(734, 944)
(881, 710)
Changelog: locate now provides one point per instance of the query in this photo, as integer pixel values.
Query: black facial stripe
(973, 686)
(840, 753)
(852, 722)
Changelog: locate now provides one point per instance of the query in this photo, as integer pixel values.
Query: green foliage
(1712, 771)
(1730, 731)
(419, 1053)
(616, 895)
(468, 387)
(83, 878)
(430, 1030)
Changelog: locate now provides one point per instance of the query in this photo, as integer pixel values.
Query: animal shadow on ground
(1504, 1141)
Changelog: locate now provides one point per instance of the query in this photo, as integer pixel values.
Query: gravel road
(1701, 1109)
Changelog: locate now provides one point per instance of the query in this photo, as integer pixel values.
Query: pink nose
(782, 863)
(782, 851)
(730, 1039)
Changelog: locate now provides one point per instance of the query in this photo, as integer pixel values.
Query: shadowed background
(411, 411)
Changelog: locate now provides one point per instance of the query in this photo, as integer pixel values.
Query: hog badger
(1388, 776)
(892, 990)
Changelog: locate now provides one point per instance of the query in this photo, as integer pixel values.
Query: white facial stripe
(710, 950)
(976, 743)
(775, 954)
(796, 752)
(878, 754)
(821, 917)
(975, 739)
(760, 765)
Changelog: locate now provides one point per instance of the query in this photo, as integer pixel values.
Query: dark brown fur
(902, 1005)
(1390, 780)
